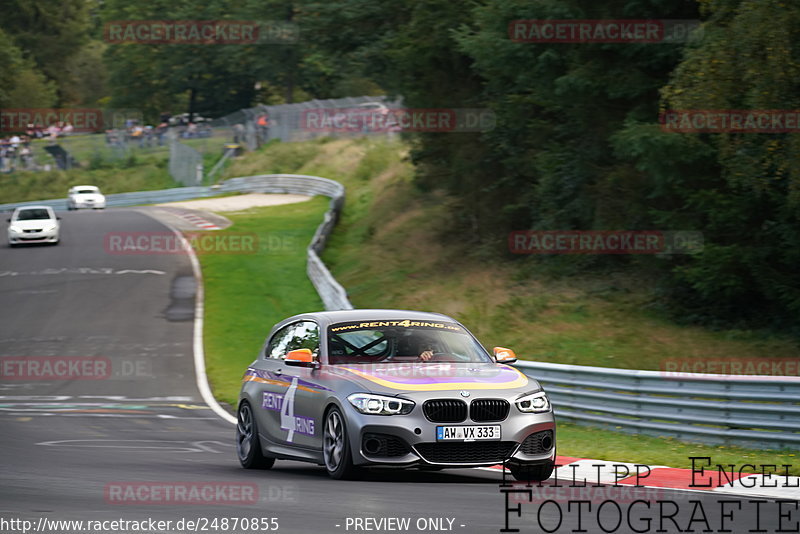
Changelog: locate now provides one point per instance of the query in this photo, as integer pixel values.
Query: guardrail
(751, 411)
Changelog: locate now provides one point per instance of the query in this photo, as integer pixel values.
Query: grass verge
(245, 294)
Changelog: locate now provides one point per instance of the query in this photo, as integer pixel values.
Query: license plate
(467, 433)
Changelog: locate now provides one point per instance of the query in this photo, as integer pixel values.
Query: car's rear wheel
(532, 473)
(248, 447)
(336, 447)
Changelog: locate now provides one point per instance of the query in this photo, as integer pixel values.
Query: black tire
(336, 447)
(248, 446)
(532, 473)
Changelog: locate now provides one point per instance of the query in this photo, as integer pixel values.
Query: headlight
(15, 229)
(380, 405)
(533, 403)
(50, 228)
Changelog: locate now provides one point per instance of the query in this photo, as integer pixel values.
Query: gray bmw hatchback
(356, 388)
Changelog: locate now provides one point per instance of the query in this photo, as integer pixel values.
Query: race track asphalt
(129, 422)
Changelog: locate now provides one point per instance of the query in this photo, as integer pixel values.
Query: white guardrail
(760, 412)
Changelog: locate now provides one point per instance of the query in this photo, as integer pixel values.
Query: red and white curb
(199, 221)
(773, 482)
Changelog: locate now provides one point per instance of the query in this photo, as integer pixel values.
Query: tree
(49, 34)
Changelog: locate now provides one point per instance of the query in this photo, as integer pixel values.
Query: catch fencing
(185, 164)
(286, 122)
(242, 130)
(760, 412)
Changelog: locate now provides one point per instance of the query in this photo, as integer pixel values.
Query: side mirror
(8, 220)
(504, 355)
(300, 357)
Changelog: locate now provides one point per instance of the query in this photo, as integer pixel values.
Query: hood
(35, 224)
(393, 379)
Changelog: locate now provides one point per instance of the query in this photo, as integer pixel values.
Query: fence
(760, 412)
(185, 163)
(185, 145)
(286, 121)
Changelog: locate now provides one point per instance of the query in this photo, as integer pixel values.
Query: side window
(305, 335)
(276, 349)
(302, 335)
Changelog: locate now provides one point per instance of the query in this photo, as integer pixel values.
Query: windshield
(32, 215)
(87, 191)
(402, 341)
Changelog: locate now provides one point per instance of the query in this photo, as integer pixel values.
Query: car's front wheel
(248, 447)
(336, 447)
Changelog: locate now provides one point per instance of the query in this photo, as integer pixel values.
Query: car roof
(80, 186)
(325, 318)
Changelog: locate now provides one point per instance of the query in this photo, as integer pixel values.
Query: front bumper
(410, 440)
(17, 238)
(89, 205)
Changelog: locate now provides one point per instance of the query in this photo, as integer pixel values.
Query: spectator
(191, 130)
(238, 133)
(137, 134)
(161, 131)
(26, 157)
(4, 146)
(9, 153)
(53, 131)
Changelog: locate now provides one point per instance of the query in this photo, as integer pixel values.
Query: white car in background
(33, 224)
(85, 196)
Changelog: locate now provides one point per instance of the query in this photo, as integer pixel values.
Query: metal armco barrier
(759, 412)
